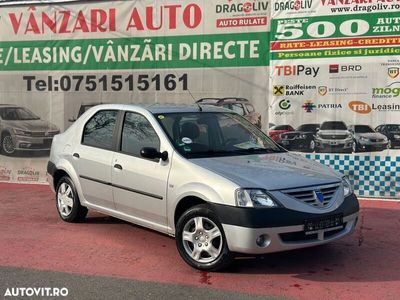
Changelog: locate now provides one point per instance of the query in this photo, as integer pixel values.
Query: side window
(238, 108)
(138, 133)
(250, 108)
(99, 130)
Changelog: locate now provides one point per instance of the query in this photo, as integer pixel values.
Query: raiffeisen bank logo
(309, 106)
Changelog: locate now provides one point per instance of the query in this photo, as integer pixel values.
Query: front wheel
(7, 144)
(201, 241)
(67, 201)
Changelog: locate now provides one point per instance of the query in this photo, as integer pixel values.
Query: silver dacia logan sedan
(202, 174)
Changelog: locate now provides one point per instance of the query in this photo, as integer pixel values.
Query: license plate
(323, 223)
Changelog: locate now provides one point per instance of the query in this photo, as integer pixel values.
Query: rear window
(99, 130)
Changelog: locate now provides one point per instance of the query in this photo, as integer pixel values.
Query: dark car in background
(334, 136)
(303, 139)
(22, 130)
(367, 139)
(392, 132)
(240, 106)
(276, 131)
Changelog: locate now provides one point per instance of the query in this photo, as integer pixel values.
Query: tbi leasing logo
(360, 107)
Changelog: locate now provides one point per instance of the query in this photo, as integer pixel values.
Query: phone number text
(116, 83)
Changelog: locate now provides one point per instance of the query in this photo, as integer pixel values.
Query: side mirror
(152, 153)
(72, 120)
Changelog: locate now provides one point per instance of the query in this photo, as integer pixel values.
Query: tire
(7, 144)
(355, 147)
(67, 202)
(311, 147)
(199, 233)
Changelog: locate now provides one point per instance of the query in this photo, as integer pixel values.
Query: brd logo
(360, 107)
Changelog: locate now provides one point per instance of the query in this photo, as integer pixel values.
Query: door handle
(76, 155)
(118, 166)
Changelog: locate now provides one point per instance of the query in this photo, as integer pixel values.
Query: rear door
(92, 158)
(139, 184)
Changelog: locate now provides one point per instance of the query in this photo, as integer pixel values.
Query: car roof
(156, 108)
(216, 100)
(8, 105)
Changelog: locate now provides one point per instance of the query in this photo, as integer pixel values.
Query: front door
(139, 185)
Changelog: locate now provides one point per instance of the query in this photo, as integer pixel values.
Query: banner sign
(318, 76)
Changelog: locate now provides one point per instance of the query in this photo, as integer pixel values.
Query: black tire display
(201, 241)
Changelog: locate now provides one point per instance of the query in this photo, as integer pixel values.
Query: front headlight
(254, 198)
(363, 138)
(346, 186)
(302, 136)
(21, 132)
(396, 136)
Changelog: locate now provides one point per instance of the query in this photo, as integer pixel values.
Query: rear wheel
(201, 241)
(67, 201)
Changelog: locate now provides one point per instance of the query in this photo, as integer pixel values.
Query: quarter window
(99, 130)
(138, 133)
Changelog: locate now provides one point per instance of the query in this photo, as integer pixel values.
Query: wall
(297, 62)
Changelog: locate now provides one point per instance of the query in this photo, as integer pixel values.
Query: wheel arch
(65, 168)
(186, 203)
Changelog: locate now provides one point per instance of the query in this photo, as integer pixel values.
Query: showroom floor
(38, 249)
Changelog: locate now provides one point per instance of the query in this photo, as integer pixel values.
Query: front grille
(289, 136)
(334, 136)
(38, 134)
(377, 140)
(319, 196)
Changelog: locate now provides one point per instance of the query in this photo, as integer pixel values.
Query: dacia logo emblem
(319, 196)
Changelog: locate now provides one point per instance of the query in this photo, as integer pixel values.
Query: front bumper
(372, 146)
(334, 144)
(282, 229)
(32, 143)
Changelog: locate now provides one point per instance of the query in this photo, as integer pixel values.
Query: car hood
(31, 125)
(270, 171)
(370, 135)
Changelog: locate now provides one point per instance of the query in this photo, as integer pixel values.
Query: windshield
(205, 134)
(363, 129)
(394, 128)
(17, 114)
(333, 126)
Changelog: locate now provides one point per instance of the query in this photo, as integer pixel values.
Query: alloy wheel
(202, 239)
(8, 145)
(312, 145)
(65, 199)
